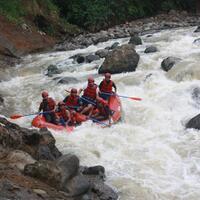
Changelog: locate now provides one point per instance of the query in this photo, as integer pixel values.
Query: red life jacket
(62, 113)
(90, 92)
(47, 104)
(72, 101)
(106, 86)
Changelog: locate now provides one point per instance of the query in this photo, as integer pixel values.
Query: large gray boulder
(169, 62)
(69, 165)
(121, 59)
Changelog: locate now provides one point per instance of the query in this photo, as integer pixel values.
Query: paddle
(99, 122)
(16, 116)
(122, 96)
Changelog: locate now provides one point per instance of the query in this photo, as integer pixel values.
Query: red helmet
(73, 90)
(45, 94)
(90, 79)
(107, 75)
(61, 103)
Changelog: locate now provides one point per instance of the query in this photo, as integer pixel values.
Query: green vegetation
(96, 14)
(88, 14)
(12, 9)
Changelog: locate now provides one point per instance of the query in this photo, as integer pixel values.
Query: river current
(149, 155)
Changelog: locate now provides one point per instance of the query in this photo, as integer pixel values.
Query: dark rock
(107, 48)
(91, 58)
(1, 99)
(37, 144)
(31, 138)
(114, 45)
(53, 69)
(98, 171)
(197, 41)
(9, 134)
(197, 29)
(95, 170)
(10, 190)
(77, 186)
(67, 80)
(69, 165)
(80, 59)
(136, 40)
(151, 49)
(121, 59)
(19, 159)
(100, 190)
(102, 53)
(44, 153)
(169, 62)
(45, 171)
(196, 93)
(194, 122)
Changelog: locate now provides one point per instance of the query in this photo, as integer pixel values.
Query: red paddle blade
(135, 98)
(16, 116)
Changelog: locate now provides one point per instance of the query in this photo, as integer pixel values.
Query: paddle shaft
(113, 94)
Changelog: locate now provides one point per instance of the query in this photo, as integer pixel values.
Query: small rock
(102, 53)
(151, 49)
(169, 62)
(53, 69)
(67, 80)
(91, 58)
(114, 45)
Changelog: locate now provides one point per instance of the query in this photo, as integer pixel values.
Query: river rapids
(149, 155)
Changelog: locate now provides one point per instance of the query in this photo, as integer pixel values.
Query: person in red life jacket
(48, 106)
(63, 114)
(106, 87)
(89, 97)
(103, 112)
(73, 101)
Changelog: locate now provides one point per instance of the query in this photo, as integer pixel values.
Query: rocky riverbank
(31, 167)
(173, 19)
(19, 40)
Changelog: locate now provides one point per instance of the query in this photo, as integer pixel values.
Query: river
(149, 155)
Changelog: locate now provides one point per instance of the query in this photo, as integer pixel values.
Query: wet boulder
(194, 122)
(91, 58)
(53, 69)
(67, 80)
(77, 186)
(69, 165)
(197, 30)
(1, 99)
(151, 49)
(169, 62)
(196, 93)
(197, 41)
(98, 171)
(102, 53)
(121, 59)
(135, 39)
(114, 45)
(45, 171)
(79, 58)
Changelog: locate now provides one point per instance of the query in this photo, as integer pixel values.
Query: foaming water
(147, 156)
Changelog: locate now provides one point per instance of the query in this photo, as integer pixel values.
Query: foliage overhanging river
(147, 156)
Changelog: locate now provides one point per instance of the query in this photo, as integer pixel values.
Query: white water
(148, 156)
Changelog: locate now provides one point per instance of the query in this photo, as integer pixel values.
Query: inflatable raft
(114, 105)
